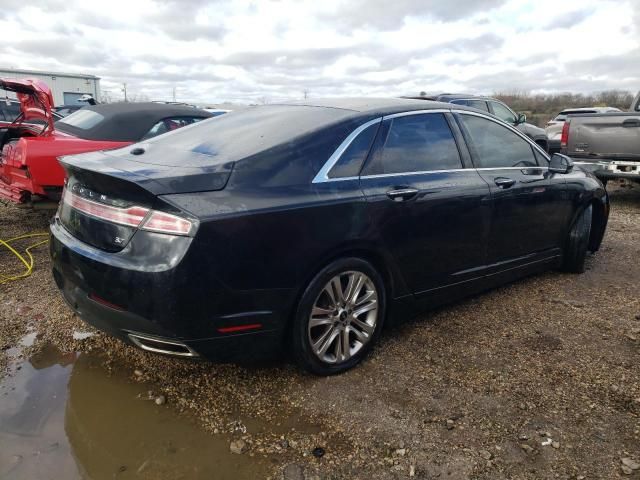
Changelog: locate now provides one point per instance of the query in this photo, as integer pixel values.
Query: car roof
(372, 105)
(127, 122)
(448, 97)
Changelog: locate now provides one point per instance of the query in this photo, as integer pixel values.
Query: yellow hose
(27, 263)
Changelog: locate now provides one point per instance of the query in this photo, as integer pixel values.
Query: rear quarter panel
(42, 154)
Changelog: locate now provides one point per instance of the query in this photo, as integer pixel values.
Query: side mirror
(560, 163)
(521, 118)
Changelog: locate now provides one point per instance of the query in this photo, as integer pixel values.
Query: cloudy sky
(270, 50)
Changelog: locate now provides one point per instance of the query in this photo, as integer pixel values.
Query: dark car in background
(304, 227)
(9, 110)
(499, 109)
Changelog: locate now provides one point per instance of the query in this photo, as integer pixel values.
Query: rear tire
(339, 317)
(577, 245)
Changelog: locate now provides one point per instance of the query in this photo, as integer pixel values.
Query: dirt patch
(538, 379)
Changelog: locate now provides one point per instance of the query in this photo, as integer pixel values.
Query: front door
(431, 212)
(530, 207)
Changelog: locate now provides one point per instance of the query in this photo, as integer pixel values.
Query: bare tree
(541, 107)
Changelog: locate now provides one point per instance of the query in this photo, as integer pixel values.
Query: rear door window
(416, 143)
(503, 113)
(496, 146)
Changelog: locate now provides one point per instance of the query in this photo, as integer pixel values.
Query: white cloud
(226, 50)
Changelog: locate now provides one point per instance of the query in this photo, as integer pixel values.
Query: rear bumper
(12, 193)
(17, 185)
(604, 169)
(208, 331)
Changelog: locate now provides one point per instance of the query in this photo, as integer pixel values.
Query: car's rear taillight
(564, 138)
(137, 217)
(15, 153)
(130, 217)
(166, 223)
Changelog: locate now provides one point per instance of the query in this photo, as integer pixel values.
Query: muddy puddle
(65, 416)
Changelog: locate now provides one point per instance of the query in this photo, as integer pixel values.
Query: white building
(66, 87)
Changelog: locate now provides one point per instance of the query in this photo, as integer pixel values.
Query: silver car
(554, 127)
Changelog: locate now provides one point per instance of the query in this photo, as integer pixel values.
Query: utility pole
(174, 94)
(124, 89)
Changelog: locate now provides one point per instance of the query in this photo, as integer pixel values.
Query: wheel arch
(600, 211)
(394, 284)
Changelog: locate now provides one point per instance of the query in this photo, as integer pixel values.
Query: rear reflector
(240, 328)
(106, 303)
(136, 217)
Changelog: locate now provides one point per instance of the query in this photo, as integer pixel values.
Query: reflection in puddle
(62, 416)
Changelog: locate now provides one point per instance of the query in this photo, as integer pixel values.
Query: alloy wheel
(343, 317)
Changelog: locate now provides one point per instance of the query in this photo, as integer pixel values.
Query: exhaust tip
(161, 345)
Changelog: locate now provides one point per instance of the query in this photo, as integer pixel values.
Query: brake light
(136, 217)
(564, 138)
(15, 153)
(130, 217)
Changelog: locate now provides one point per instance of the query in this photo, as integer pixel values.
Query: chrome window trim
(416, 112)
(402, 174)
(537, 167)
(323, 174)
(453, 170)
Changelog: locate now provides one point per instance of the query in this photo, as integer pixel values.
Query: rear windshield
(243, 133)
(82, 119)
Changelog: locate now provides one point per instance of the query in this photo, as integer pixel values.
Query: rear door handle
(504, 182)
(402, 193)
(631, 122)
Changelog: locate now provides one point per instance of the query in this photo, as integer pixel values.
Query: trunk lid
(187, 172)
(36, 101)
(126, 188)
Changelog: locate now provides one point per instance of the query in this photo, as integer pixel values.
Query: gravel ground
(538, 379)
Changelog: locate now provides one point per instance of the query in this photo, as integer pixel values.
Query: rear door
(530, 205)
(431, 212)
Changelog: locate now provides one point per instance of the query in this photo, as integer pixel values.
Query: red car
(32, 142)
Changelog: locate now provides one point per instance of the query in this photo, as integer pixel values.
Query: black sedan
(305, 227)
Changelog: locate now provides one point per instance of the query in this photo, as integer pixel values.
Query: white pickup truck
(608, 144)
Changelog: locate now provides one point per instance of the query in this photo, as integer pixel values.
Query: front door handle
(402, 193)
(631, 122)
(504, 182)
